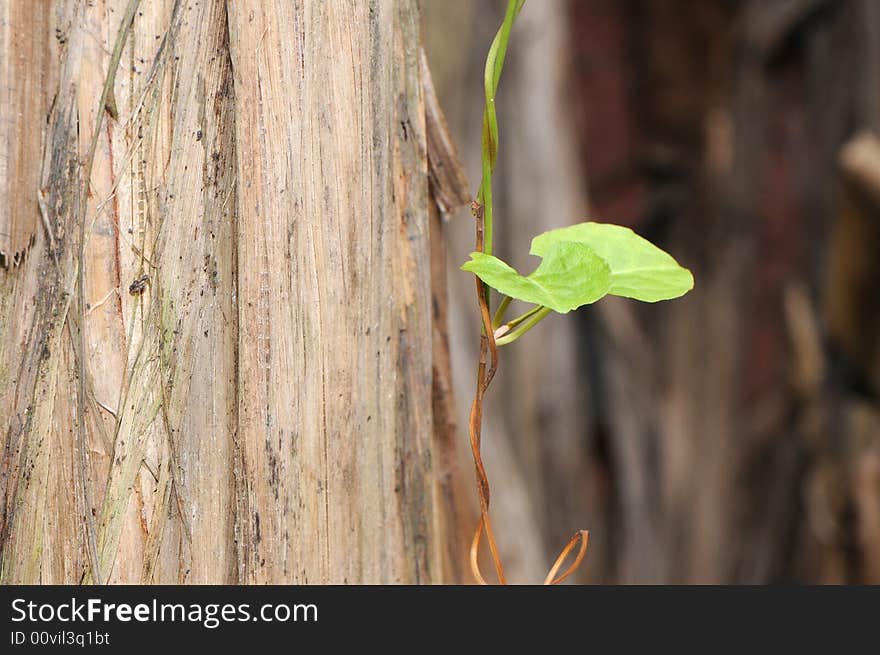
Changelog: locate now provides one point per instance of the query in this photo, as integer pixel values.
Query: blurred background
(733, 435)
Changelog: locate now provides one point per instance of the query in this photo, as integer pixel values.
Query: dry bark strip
(449, 191)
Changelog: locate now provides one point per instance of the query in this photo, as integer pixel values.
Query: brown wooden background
(733, 435)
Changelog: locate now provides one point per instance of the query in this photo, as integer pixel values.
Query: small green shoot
(580, 264)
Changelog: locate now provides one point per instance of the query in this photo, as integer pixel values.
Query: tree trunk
(216, 357)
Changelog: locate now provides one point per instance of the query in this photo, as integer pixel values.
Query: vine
(580, 264)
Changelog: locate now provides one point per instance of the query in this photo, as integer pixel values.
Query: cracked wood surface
(259, 408)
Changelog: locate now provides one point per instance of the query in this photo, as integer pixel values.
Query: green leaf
(570, 275)
(639, 269)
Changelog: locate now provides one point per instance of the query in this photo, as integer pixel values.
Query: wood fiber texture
(251, 397)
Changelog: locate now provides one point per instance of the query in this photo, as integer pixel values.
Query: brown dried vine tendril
(485, 372)
(484, 379)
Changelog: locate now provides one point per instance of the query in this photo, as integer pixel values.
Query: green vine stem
(531, 318)
(482, 209)
(580, 264)
(499, 313)
(491, 76)
(511, 330)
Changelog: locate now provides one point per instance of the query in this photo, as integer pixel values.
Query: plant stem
(537, 317)
(488, 358)
(499, 313)
(501, 330)
(491, 76)
(483, 215)
(581, 536)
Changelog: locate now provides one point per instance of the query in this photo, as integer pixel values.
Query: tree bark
(217, 356)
